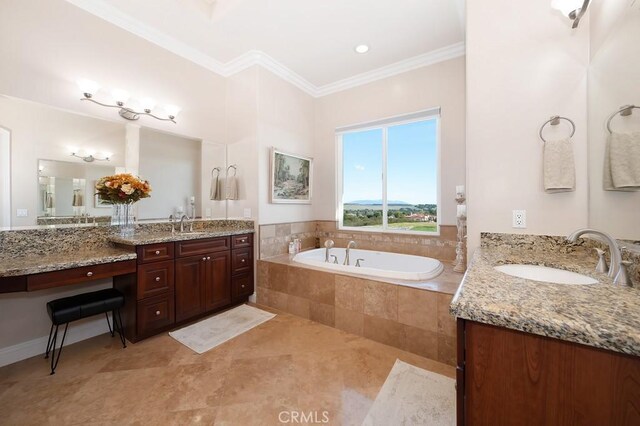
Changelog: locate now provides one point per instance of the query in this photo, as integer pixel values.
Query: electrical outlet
(247, 213)
(519, 218)
(208, 212)
(22, 213)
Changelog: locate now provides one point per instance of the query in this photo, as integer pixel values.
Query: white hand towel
(232, 188)
(559, 166)
(622, 162)
(215, 192)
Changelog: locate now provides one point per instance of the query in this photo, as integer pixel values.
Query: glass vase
(122, 217)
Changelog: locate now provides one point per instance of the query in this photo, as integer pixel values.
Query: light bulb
(172, 110)
(147, 104)
(120, 96)
(362, 48)
(566, 6)
(88, 87)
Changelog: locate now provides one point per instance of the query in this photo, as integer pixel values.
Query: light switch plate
(247, 213)
(208, 212)
(22, 212)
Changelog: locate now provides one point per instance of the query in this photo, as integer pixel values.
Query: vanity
(532, 352)
(168, 278)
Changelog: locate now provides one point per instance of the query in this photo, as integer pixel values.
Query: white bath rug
(413, 396)
(207, 334)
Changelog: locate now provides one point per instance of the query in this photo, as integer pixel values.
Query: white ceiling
(308, 42)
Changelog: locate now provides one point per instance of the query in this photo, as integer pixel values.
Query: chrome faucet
(352, 244)
(182, 219)
(328, 245)
(614, 250)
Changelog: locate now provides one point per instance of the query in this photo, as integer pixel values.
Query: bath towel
(232, 188)
(559, 166)
(622, 162)
(216, 189)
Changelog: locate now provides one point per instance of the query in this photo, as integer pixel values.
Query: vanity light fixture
(89, 88)
(572, 9)
(90, 158)
(361, 48)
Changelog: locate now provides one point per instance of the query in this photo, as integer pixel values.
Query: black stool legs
(51, 346)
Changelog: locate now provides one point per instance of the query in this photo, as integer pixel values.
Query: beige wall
(613, 82)
(524, 64)
(41, 132)
(442, 84)
(46, 45)
(172, 164)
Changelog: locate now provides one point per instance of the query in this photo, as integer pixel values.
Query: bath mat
(211, 332)
(413, 396)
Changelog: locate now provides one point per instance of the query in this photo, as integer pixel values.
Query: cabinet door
(218, 283)
(191, 275)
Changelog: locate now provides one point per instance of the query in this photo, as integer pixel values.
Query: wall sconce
(89, 88)
(572, 9)
(90, 158)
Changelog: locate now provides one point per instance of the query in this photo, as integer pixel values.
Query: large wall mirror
(614, 125)
(50, 160)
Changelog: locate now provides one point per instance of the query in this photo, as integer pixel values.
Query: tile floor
(286, 364)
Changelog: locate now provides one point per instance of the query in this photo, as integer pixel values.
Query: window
(388, 174)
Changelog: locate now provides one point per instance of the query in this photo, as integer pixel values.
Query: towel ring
(235, 169)
(624, 111)
(215, 169)
(554, 121)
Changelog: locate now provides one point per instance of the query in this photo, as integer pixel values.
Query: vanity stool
(69, 309)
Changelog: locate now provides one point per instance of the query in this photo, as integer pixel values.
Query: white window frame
(384, 124)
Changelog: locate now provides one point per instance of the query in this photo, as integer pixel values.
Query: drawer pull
(243, 240)
(242, 286)
(157, 251)
(243, 260)
(208, 257)
(89, 274)
(157, 313)
(204, 259)
(157, 279)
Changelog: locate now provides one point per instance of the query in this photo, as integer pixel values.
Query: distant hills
(379, 203)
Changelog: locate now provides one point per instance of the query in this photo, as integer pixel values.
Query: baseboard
(34, 347)
(252, 298)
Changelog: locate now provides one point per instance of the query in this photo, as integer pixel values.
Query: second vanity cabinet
(177, 282)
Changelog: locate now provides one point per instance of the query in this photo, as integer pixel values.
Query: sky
(411, 163)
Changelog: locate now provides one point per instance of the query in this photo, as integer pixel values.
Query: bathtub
(375, 263)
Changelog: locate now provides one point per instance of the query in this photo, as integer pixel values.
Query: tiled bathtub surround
(274, 239)
(412, 319)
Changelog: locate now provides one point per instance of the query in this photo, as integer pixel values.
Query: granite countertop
(38, 263)
(601, 315)
(154, 237)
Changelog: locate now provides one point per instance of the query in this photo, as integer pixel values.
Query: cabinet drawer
(241, 260)
(155, 252)
(242, 286)
(155, 313)
(155, 278)
(241, 241)
(208, 245)
(78, 275)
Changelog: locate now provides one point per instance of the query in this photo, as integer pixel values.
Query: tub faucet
(614, 250)
(352, 244)
(328, 245)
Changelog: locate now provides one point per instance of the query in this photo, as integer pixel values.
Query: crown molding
(255, 57)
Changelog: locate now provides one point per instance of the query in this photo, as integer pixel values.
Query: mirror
(42, 183)
(614, 200)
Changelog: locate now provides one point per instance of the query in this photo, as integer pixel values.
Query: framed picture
(291, 178)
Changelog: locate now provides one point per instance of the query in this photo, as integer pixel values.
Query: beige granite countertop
(601, 315)
(38, 263)
(141, 238)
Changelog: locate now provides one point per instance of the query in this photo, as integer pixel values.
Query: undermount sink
(546, 274)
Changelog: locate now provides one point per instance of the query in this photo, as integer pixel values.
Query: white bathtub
(375, 263)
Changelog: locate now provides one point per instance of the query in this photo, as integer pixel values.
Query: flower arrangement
(122, 188)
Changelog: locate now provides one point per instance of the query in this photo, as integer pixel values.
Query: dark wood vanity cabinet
(181, 281)
(508, 377)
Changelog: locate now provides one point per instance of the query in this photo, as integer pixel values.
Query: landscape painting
(290, 178)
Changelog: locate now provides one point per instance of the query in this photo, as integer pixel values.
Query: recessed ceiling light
(362, 48)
